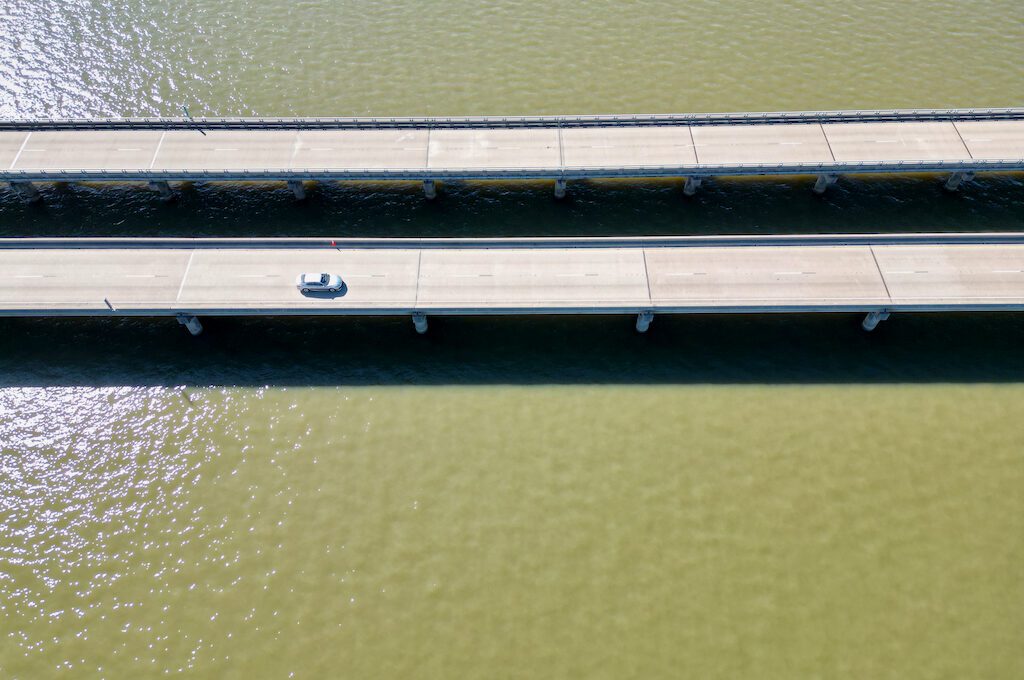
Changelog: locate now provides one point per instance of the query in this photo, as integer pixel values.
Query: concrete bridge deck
(826, 144)
(188, 278)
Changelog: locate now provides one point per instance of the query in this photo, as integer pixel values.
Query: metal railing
(564, 121)
(539, 173)
(452, 243)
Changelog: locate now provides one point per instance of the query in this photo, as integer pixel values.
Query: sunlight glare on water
(124, 57)
(369, 532)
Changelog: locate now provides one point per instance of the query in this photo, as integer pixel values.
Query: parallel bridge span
(188, 278)
(958, 142)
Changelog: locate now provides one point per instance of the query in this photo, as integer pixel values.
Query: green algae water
(723, 497)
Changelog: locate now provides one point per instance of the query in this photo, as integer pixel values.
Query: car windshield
(324, 278)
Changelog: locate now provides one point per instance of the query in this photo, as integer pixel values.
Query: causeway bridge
(875, 275)
(956, 143)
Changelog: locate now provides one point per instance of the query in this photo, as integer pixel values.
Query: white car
(318, 282)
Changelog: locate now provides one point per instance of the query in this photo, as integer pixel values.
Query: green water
(512, 498)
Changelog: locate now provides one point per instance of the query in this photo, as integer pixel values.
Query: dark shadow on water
(606, 208)
(581, 350)
(719, 349)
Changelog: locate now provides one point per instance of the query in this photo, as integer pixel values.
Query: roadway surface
(55, 277)
(252, 150)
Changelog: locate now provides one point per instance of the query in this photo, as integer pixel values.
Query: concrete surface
(535, 278)
(89, 150)
(489, 152)
(932, 141)
(762, 144)
(354, 149)
(396, 277)
(10, 146)
(57, 278)
(962, 274)
(627, 147)
(494, 149)
(986, 139)
(760, 276)
(374, 278)
(225, 150)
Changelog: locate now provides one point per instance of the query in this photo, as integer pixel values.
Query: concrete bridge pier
(956, 179)
(824, 181)
(419, 320)
(429, 189)
(691, 186)
(872, 320)
(163, 188)
(560, 188)
(191, 323)
(298, 188)
(26, 190)
(643, 321)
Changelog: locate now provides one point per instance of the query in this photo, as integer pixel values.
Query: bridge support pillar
(691, 186)
(872, 320)
(560, 185)
(643, 321)
(429, 189)
(26, 190)
(956, 179)
(298, 188)
(191, 323)
(419, 320)
(824, 182)
(163, 188)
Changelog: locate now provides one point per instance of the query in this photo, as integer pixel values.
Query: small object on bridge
(419, 320)
(872, 320)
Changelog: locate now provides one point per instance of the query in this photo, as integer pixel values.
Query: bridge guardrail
(600, 120)
(342, 243)
(568, 173)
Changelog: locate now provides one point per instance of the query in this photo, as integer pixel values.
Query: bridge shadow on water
(718, 349)
(529, 350)
(604, 208)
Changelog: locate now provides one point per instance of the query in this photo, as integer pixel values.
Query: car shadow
(326, 294)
